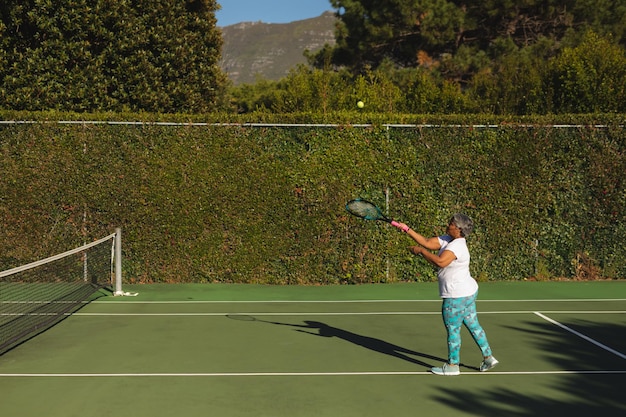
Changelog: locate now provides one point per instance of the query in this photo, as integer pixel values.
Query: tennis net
(36, 296)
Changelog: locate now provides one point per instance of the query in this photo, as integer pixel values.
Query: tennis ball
(360, 104)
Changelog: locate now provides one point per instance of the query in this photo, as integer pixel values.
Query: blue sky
(269, 11)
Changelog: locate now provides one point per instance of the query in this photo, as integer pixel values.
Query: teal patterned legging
(457, 311)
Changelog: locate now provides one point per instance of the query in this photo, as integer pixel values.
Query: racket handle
(400, 226)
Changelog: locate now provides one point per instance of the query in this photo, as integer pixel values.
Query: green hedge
(266, 204)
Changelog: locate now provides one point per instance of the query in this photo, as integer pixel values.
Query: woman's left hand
(416, 250)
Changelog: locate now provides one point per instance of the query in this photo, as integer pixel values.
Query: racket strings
(363, 209)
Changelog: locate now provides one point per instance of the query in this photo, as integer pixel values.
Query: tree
(371, 31)
(110, 55)
(522, 21)
(589, 78)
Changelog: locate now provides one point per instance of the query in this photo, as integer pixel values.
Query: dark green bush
(216, 203)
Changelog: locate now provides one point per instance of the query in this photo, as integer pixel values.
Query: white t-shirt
(455, 280)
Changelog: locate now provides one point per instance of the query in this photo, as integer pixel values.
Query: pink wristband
(404, 228)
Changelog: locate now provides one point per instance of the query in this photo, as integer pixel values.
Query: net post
(118, 266)
(118, 262)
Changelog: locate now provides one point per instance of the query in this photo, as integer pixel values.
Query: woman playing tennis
(457, 288)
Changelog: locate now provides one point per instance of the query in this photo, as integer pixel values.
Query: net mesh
(36, 296)
(364, 209)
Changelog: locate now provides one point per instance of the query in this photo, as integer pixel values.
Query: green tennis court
(247, 350)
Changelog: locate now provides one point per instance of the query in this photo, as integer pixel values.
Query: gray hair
(463, 222)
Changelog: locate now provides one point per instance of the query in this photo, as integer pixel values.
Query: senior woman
(457, 288)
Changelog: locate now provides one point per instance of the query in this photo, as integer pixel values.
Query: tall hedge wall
(214, 203)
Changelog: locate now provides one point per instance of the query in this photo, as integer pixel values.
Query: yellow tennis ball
(360, 104)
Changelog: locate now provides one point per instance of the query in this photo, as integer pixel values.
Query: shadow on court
(573, 395)
(320, 329)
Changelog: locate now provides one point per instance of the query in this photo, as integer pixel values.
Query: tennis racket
(368, 211)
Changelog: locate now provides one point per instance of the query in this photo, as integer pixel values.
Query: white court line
(348, 301)
(292, 374)
(372, 313)
(266, 314)
(587, 338)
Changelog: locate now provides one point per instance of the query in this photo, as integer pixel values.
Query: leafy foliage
(372, 31)
(589, 78)
(399, 57)
(79, 55)
(446, 57)
(230, 203)
(585, 78)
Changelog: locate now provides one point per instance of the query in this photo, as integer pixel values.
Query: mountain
(270, 50)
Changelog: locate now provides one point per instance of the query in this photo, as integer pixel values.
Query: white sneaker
(446, 370)
(488, 363)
